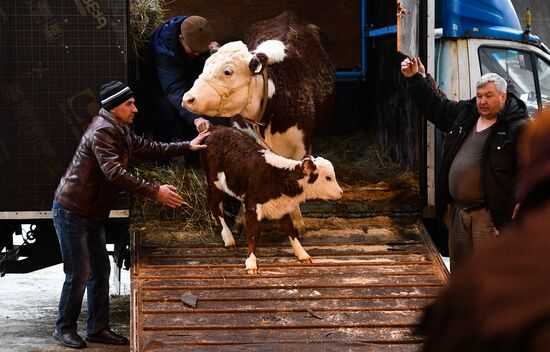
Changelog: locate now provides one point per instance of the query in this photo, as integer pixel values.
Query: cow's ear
(262, 57)
(255, 65)
(308, 165)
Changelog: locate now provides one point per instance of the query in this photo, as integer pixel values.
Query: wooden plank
(278, 320)
(276, 294)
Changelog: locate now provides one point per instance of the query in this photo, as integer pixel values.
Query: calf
(268, 185)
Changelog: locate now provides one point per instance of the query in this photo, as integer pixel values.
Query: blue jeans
(86, 266)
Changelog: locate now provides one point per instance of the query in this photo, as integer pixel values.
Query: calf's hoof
(232, 247)
(306, 260)
(252, 271)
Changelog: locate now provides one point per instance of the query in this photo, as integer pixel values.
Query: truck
(54, 55)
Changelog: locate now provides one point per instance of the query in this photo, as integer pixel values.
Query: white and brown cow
(282, 83)
(268, 185)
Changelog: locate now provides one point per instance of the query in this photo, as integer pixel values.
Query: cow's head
(231, 83)
(321, 180)
(224, 87)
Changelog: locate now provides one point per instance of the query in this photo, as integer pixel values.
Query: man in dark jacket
(479, 166)
(83, 199)
(178, 51)
(500, 299)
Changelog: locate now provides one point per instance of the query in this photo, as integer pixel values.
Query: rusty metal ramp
(365, 290)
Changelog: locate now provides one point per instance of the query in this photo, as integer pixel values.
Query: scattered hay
(193, 213)
(145, 17)
(359, 162)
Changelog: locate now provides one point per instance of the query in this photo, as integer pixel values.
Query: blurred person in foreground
(83, 199)
(500, 299)
(478, 172)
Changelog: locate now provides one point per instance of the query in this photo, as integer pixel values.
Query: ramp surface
(365, 290)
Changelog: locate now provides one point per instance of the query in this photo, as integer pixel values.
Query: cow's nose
(188, 100)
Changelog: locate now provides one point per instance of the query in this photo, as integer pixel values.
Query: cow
(268, 185)
(282, 84)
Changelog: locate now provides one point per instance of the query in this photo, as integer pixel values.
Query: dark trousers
(86, 266)
(469, 231)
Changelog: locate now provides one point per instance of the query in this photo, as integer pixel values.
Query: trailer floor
(365, 290)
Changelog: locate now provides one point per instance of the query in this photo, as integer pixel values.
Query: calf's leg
(239, 223)
(252, 230)
(215, 200)
(287, 225)
(298, 222)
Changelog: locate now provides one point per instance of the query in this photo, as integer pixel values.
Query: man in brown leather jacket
(83, 200)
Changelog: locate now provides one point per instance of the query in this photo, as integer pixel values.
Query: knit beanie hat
(113, 94)
(196, 33)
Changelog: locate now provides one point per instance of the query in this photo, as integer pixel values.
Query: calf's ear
(308, 165)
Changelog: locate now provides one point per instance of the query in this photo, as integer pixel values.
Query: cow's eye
(328, 178)
(228, 72)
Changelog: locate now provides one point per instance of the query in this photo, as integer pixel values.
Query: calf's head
(320, 182)
(225, 85)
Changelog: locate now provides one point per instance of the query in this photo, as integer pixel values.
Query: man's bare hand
(213, 47)
(195, 144)
(409, 67)
(202, 124)
(167, 196)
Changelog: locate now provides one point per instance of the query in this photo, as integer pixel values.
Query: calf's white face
(325, 186)
(223, 87)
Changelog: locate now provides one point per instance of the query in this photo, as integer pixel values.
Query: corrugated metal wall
(54, 55)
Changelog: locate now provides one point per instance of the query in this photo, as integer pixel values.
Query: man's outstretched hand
(195, 144)
(409, 67)
(167, 195)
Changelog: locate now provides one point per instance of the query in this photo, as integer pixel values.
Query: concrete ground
(28, 308)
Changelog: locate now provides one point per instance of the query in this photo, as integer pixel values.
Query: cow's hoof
(252, 271)
(306, 261)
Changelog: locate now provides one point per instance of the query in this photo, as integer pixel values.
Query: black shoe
(70, 339)
(107, 336)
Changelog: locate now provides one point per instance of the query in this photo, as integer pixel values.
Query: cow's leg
(298, 222)
(288, 226)
(216, 206)
(252, 230)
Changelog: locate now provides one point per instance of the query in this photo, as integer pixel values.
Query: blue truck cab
(475, 37)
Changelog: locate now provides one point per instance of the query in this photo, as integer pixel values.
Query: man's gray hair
(499, 82)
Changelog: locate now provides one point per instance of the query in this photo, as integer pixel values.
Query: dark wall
(340, 21)
(395, 121)
(53, 57)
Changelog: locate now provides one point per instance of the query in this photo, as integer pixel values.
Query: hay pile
(359, 162)
(189, 182)
(145, 17)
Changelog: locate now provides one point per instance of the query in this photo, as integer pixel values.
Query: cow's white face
(325, 186)
(222, 89)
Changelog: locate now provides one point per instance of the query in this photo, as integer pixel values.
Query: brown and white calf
(268, 185)
(282, 82)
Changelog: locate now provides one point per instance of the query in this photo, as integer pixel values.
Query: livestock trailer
(55, 54)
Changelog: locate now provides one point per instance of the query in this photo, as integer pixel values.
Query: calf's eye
(228, 72)
(328, 178)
